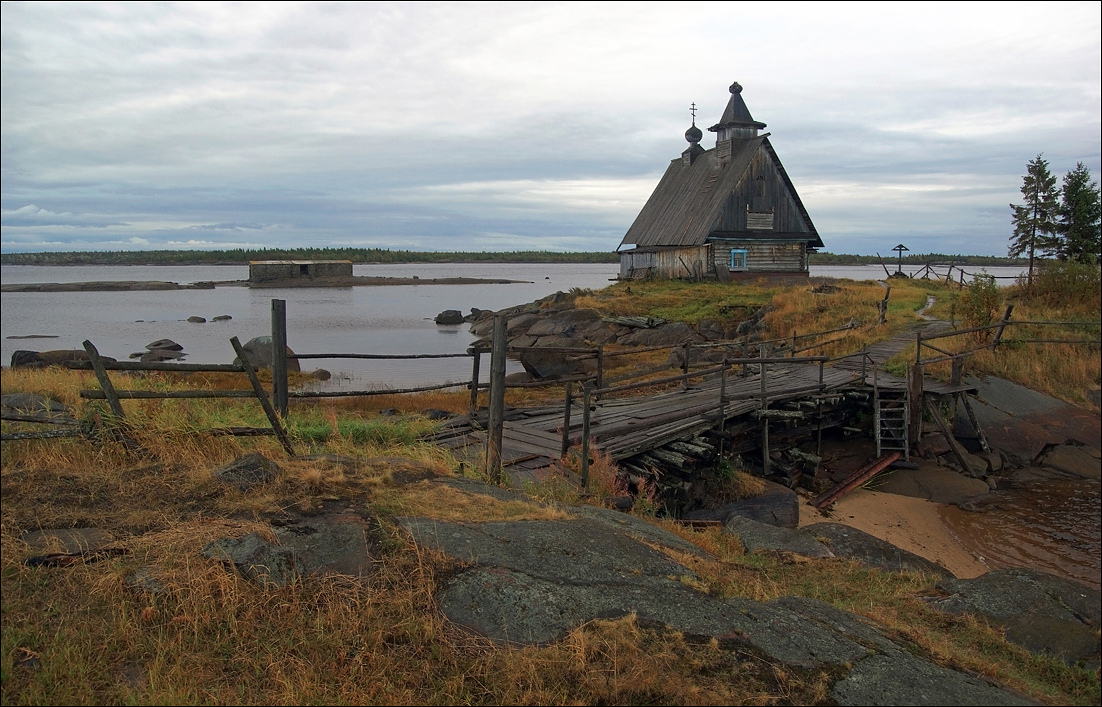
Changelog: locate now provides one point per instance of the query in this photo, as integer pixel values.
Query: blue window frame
(738, 259)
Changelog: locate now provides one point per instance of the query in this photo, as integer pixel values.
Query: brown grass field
(81, 634)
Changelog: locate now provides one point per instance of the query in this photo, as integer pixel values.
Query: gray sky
(508, 126)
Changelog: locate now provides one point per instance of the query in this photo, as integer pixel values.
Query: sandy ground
(909, 523)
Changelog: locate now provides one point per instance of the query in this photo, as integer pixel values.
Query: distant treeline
(826, 258)
(385, 255)
(241, 255)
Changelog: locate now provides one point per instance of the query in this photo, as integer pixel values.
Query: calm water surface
(1052, 525)
(385, 320)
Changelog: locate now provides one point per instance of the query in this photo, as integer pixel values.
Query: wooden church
(730, 212)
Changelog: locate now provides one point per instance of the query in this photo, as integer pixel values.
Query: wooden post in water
(566, 421)
(497, 400)
(766, 462)
(586, 400)
(476, 357)
(279, 356)
(104, 381)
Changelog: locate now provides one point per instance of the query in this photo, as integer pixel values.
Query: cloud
(448, 126)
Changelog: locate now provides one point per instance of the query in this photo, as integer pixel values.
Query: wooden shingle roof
(684, 205)
(688, 199)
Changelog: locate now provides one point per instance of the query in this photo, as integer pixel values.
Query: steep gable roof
(685, 203)
(689, 198)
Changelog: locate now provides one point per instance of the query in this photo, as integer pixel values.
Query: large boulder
(777, 505)
(41, 359)
(258, 353)
(544, 365)
(670, 334)
(1041, 612)
(565, 323)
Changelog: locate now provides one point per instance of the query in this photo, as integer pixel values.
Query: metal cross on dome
(692, 109)
(899, 249)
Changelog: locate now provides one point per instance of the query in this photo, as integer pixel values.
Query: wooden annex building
(730, 212)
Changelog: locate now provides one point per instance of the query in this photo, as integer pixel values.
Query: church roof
(689, 198)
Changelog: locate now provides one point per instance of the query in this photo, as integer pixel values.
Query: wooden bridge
(534, 438)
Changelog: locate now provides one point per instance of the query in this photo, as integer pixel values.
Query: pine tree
(1080, 216)
(1034, 221)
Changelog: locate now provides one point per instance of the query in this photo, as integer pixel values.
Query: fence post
(957, 370)
(262, 397)
(497, 400)
(586, 400)
(566, 421)
(476, 356)
(793, 353)
(722, 403)
(914, 402)
(1002, 325)
(766, 462)
(685, 365)
(279, 356)
(104, 381)
(600, 366)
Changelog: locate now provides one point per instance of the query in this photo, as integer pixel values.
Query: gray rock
(257, 559)
(933, 483)
(258, 352)
(1041, 612)
(565, 323)
(871, 551)
(26, 359)
(1072, 459)
(670, 334)
(248, 471)
(70, 541)
(545, 365)
(160, 355)
(39, 359)
(778, 505)
(322, 375)
(756, 537)
(222, 318)
(449, 317)
(197, 320)
(902, 679)
(164, 345)
(33, 403)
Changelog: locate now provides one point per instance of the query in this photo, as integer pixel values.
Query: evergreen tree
(1034, 221)
(1080, 216)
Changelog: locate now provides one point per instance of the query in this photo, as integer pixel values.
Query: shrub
(978, 303)
(1069, 285)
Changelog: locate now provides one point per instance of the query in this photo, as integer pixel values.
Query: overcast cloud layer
(524, 126)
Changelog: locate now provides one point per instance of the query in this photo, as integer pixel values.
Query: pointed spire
(736, 122)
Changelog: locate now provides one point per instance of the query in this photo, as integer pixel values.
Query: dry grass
(199, 634)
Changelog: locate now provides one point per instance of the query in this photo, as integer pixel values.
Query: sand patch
(912, 524)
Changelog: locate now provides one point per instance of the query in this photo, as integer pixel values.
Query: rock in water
(449, 317)
(258, 352)
(165, 345)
